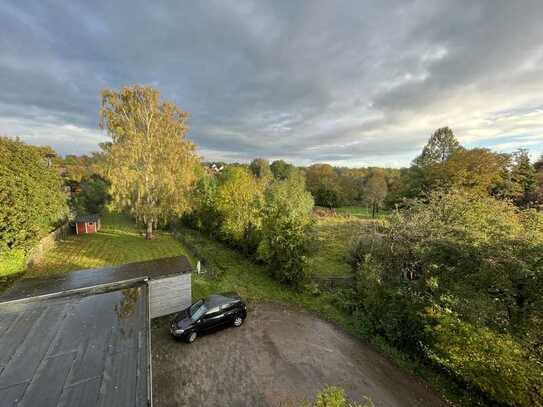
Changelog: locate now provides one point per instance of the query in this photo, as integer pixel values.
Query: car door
(229, 312)
(211, 318)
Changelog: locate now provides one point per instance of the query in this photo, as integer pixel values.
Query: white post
(198, 267)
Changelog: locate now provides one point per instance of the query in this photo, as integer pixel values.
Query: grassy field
(334, 235)
(361, 212)
(119, 241)
(252, 281)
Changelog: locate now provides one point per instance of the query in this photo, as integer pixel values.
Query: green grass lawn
(119, 241)
(361, 212)
(334, 236)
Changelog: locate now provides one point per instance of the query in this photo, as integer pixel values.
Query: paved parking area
(280, 355)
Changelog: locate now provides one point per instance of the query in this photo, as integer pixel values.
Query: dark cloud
(357, 82)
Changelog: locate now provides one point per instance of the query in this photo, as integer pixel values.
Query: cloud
(348, 82)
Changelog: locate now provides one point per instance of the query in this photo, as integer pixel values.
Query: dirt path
(279, 355)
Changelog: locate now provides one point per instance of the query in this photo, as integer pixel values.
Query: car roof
(218, 299)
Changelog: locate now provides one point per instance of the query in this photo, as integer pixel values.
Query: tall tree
(281, 169)
(261, 169)
(376, 190)
(287, 217)
(523, 177)
(151, 164)
(478, 170)
(441, 145)
(239, 202)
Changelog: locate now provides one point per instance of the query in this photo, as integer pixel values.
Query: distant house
(87, 224)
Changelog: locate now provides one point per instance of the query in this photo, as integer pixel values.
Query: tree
(322, 181)
(427, 172)
(523, 177)
(261, 169)
(282, 169)
(376, 190)
(478, 170)
(93, 194)
(286, 219)
(151, 164)
(239, 202)
(441, 145)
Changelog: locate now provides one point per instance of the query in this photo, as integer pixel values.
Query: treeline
(445, 165)
(32, 200)
(455, 277)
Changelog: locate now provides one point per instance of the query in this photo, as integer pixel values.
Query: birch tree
(150, 162)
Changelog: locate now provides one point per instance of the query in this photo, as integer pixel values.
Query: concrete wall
(169, 295)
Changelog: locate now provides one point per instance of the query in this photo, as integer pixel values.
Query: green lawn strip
(253, 282)
(119, 241)
(335, 236)
(361, 212)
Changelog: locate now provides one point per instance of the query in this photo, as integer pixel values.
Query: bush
(32, 201)
(458, 281)
(333, 396)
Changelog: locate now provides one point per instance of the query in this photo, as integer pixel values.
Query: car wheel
(238, 321)
(192, 337)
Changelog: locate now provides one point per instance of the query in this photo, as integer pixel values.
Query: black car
(207, 314)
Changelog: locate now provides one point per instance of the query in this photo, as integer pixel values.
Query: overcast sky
(346, 82)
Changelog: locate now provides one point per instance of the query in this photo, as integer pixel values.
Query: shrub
(333, 396)
(32, 201)
(458, 281)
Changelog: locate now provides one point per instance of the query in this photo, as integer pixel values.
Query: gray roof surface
(89, 217)
(83, 279)
(76, 350)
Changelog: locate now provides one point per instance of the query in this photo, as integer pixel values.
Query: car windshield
(197, 309)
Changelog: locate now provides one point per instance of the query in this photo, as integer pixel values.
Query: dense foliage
(32, 199)
(266, 218)
(150, 163)
(458, 280)
(91, 195)
(333, 187)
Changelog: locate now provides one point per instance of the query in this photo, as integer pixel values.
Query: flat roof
(92, 278)
(85, 349)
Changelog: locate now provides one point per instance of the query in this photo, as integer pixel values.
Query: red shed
(87, 224)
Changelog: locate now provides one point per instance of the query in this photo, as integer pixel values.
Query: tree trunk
(149, 230)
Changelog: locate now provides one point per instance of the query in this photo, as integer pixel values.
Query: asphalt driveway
(280, 355)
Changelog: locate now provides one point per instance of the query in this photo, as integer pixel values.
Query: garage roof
(100, 277)
(77, 350)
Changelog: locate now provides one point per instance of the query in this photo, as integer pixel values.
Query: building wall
(170, 295)
(80, 227)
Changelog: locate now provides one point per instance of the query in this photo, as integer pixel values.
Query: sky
(351, 83)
